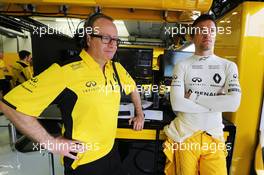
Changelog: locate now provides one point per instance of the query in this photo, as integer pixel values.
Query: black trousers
(110, 164)
(5, 86)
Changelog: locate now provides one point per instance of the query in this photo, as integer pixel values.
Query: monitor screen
(57, 48)
(170, 58)
(137, 61)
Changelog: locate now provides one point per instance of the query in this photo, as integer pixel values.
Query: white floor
(17, 163)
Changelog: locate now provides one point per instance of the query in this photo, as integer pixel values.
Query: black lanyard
(122, 92)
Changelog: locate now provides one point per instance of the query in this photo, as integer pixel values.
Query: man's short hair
(92, 18)
(203, 17)
(23, 54)
(90, 22)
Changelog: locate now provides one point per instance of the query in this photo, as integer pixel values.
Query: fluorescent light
(121, 28)
(69, 19)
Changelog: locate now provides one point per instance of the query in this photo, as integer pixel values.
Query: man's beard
(205, 47)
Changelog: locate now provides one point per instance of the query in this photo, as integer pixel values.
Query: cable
(69, 25)
(72, 23)
(9, 4)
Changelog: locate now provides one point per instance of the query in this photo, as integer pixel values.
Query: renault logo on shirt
(114, 77)
(217, 78)
(33, 82)
(34, 79)
(196, 79)
(90, 83)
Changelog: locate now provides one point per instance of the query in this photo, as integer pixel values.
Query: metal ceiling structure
(12, 26)
(159, 10)
(220, 7)
(154, 16)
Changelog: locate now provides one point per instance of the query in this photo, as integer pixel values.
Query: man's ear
(191, 38)
(88, 39)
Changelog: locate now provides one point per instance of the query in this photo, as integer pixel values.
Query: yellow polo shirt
(87, 97)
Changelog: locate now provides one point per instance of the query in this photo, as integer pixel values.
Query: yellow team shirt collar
(88, 59)
(21, 61)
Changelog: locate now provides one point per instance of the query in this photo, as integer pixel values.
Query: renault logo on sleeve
(217, 78)
(196, 79)
(175, 77)
(90, 84)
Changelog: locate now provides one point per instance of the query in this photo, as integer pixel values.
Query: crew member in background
(22, 69)
(203, 86)
(4, 77)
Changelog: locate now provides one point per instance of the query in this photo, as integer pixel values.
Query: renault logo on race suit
(217, 78)
(175, 77)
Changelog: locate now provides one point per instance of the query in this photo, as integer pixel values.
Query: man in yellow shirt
(4, 77)
(87, 92)
(21, 69)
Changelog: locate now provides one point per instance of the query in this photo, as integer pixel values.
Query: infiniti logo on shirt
(196, 79)
(90, 83)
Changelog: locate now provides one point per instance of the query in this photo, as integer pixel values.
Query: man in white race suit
(203, 86)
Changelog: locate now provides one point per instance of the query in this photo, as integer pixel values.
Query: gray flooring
(17, 163)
